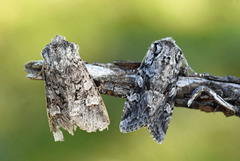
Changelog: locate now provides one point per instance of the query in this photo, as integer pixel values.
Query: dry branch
(117, 78)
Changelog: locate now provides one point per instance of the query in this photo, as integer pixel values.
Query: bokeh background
(107, 30)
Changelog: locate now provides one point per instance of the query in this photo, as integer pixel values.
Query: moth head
(59, 50)
(169, 42)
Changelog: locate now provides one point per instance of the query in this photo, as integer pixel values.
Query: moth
(150, 101)
(72, 97)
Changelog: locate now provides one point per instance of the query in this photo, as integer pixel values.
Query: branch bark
(117, 78)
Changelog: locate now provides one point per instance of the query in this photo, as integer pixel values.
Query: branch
(117, 78)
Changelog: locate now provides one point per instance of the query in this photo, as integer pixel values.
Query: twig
(116, 79)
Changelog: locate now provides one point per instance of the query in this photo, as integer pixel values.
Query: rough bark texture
(117, 78)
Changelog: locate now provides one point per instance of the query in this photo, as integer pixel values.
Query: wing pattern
(72, 97)
(151, 99)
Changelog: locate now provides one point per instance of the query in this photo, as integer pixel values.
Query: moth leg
(217, 98)
(39, 73)
(188, 71)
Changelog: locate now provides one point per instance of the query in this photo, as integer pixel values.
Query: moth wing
(57, 112)
(138, 103)
(88, 110)
(135, 113)
(158, 122)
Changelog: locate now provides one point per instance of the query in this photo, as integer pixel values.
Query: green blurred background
(206, 30)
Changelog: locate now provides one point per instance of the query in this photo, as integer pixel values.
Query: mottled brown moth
(72, 97)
